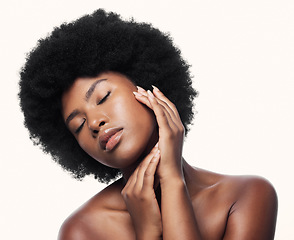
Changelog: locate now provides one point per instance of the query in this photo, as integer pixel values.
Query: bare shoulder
(254, 211)
(234, 207)
(250, 188)
(90, 221)
(246, 191)
(238, 187)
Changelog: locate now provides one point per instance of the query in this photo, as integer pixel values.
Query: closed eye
(100, 102)
(80, 127)
(104, 98)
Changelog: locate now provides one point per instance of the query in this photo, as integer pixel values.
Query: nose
(96, 122)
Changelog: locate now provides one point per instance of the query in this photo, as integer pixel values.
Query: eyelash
(104, 98)
(101, 101)
(80, 127)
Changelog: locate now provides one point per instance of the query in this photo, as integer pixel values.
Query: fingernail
(157, 153)
(137, 94)
(155, 88)
(140, 89)
(150, 94)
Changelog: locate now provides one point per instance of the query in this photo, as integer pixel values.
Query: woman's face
(107, 120)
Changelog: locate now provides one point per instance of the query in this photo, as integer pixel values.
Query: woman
(82, 104)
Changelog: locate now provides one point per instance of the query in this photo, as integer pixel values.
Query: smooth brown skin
(187, 203)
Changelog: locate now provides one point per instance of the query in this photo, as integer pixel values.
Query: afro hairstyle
(88, 46)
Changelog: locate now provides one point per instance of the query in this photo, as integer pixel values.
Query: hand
(171, 132)
(140, 198)
(176, 205)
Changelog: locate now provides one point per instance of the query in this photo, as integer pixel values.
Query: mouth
(109, 138)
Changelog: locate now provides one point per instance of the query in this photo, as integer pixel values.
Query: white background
(242, 57)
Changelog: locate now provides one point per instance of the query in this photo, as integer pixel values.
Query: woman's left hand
(171, 132)
(176, 205)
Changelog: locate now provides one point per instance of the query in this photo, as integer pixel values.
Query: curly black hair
(84, 48)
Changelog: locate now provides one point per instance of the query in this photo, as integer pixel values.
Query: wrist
(173, 181)
(170, 173)
(170, 169)
(147, 231)
(148, 236)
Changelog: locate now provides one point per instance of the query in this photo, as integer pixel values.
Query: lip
(109, 138)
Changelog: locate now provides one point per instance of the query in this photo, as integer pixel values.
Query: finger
(174, 117)
(169, 115)
(177, 122)
(144, 164)
(171, 107)
(160, 113)
(162, 97)
(150, 172)
(142, 91)
(142, 168)
(142, 95)
(168, 109)
(132, 180)
(143, 99)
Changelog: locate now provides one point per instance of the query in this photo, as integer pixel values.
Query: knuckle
(154, 150)
(172, 105)
(154, 101)
(125, 194)
(162, 113)
(164, 103)
(148, 173)
(161, 116)
(123, 191)
(141, 166)
(130, 194)
(144, 196)
(136, 194)
(181, 130)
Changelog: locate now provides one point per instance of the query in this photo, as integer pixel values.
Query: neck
(127, 172)
(188, 170)
(189, 174)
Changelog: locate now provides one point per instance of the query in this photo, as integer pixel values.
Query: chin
(130, 150)
(131, 154)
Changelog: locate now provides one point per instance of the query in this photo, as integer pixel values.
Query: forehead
(82, 86)
(83, 83)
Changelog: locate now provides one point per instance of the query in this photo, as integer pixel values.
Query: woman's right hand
(140, 198)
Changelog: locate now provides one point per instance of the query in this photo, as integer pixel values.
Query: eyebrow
(87, 97)
(92, 88)
(71, 116)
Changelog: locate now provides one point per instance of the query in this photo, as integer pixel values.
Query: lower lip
(113, 141)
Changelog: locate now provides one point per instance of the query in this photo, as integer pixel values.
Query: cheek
(85, 145)
(92, 150)
(88, 144)
(136, 114)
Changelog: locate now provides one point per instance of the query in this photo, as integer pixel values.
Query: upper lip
(106, 134)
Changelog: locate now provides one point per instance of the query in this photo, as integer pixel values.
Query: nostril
(95, 131)
(101, 124)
